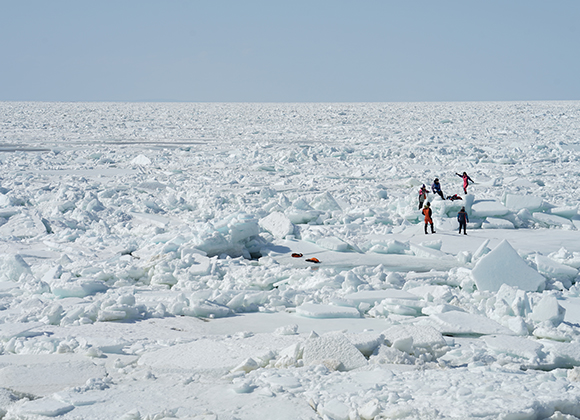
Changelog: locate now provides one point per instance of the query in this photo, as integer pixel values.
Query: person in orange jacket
(428, 221)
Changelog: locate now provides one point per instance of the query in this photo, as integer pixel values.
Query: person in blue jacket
(462, 219)
(436, 188)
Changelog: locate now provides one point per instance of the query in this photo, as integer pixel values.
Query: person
(436, 187)
(466, 180)
(427, 212)
(422, 196)
(462, 219)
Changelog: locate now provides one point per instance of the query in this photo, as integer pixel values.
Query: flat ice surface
(244, 261)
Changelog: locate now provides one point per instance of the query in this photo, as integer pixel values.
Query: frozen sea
(269, 261)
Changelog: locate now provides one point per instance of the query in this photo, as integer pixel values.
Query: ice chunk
(243, 227)
(332, 243)
(503, 265)
(48, 407)
(555, 270)
(299, 216)
(518, 202)
(391, 246)
(76, 287)
(550, 220)
(325, 202)
(495, 223)
(313, 310)
(335, 410)
(24, 225)
(515, 346)
(565, 211)
(141, 160)
(424, 339)
(13, 267)
(548, 309)
(375, 296)
(482, 250)
(278, 224)
(565, 355)
(464, 323)
(426, 252)
(487, 208)
(333, 347)
(366, 342)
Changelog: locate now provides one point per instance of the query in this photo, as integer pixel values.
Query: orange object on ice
(314, 260)
(296, 255)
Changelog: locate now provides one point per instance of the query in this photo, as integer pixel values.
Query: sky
(298, 51)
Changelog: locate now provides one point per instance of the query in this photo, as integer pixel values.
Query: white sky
(299, 51)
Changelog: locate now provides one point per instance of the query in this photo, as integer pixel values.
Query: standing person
(462, 219)
(466, 178)
(422, 196)
(428, 221)
(436, 187)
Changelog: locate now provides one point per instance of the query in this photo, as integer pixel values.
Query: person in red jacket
(427, 212)
(466, 180)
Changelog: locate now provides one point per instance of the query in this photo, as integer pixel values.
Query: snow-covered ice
(243, 261)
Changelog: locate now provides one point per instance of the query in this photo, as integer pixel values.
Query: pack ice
(243, 261)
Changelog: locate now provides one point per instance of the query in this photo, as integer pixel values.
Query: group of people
(462, 217)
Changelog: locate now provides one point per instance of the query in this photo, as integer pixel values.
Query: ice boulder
(487, 208)
(325, 202)
(554, 270)
(519, 202)
(141, 160)
(13, 267)
(278, 224)
(496, 223)
(425, 340)
(24, 225)
(552, 220)
(565, 211)
(548, 309)
(503, 265)
(334, 350)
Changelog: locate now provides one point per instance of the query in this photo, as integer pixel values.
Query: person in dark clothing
(427, 212)
(462, 219)
(422, 196)
(466, 180)
(436, 188)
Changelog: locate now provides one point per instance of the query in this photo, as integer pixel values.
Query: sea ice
(503, 265)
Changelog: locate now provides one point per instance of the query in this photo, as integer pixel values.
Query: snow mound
(503, 265)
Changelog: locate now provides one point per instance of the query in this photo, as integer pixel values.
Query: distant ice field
(264, 260)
